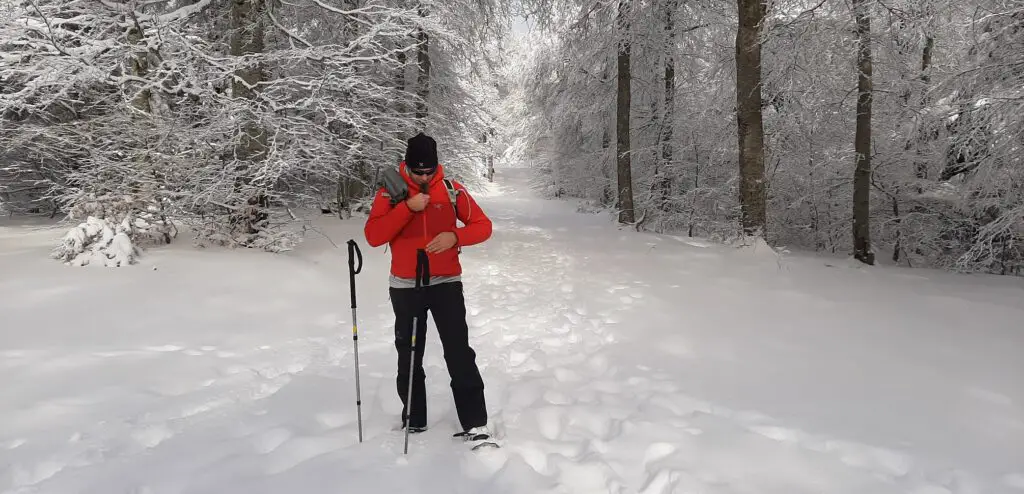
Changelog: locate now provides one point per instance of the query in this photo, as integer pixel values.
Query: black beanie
(421, 152)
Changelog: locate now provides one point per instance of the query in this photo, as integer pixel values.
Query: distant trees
(848, 138)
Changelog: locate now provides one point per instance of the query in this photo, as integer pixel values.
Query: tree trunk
(247, 38)
(862, 140)
(247, 33)
(749, 126)
(348, 183)
(622, 150)
(490, 157)
(665, 178)
(921, 167)
(607, 192)
(402, 109)
(423, 57)
(139, 67)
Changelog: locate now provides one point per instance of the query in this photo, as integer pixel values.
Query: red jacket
(406, 231)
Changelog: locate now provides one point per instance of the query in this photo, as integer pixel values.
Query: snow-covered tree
(939, 186)
(225, 116)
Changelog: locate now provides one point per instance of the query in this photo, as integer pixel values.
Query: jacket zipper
(426, 238)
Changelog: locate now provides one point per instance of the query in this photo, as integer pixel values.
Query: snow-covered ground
(615, 362)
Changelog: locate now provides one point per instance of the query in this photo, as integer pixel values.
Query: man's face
(422, 176)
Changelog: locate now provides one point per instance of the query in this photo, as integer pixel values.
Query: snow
(614, 361)
(97, 242)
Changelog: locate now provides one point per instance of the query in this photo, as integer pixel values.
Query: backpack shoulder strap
(453, 195)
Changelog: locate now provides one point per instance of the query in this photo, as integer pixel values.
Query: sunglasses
(422, 171)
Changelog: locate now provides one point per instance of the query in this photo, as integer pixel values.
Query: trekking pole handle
(353, 254)
(353, 249)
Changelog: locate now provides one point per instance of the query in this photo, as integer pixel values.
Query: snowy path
(615, 362)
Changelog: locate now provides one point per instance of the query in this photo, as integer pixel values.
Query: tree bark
(490, 157)
(247, 37)
(139, 66)
(749, 125)
(665, 177)
(622, 149)
(862, 140)
(607, 193)
(423, 82)
(921, 167)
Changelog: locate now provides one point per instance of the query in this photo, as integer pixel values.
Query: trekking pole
(422, 278)
(353, 253)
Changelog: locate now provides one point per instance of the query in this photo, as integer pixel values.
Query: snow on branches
(226, 115)
(113, 229)
(98, 242)
(947, 179)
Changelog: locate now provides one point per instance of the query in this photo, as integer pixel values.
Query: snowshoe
(415, 429)
(477, 438)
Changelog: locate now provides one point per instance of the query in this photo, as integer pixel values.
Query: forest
(887, 130)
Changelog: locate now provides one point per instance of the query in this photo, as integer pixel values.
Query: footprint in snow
(550, 422)
(589, 476)
(268, 441)
(333, 420)
(566, 375)
(658, 451)
(598, 363)
(556, 398)
(563, 329)
(553, 342)
(780, 434)
(151, 437)
(39, 472)
(605, 386)
(507, 339)
(659, 482)
(596, 424)
(523, 397)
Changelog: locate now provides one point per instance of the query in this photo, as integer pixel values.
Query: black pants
(447, 305)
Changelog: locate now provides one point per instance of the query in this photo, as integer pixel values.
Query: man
(426, 220)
